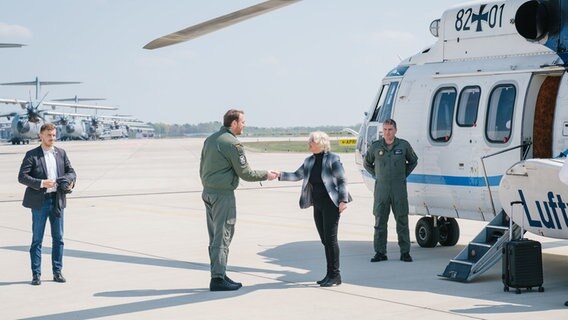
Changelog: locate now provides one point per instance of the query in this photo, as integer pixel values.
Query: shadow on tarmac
(421, 275)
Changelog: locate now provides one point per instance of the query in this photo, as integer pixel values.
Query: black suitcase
(522, 263)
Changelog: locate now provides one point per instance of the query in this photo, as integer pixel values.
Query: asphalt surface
(136, 248)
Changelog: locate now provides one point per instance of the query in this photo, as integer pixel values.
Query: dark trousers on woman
(326, 217)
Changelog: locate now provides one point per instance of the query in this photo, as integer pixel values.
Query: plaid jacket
(332, 174)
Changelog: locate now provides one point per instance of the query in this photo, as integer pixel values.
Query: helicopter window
(385, 110)
(380, 102)
(467, 106)
(442, 114)
(500, 113)
(398, 71)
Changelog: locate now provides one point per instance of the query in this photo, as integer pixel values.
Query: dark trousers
(326, 217)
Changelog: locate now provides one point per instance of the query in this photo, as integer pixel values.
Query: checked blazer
(332, 174)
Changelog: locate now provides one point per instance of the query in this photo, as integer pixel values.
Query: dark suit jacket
(34, 169)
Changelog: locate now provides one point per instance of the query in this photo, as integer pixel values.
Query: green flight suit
(390, 165)
(223, 162)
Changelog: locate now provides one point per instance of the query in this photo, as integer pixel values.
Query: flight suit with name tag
(390, 165)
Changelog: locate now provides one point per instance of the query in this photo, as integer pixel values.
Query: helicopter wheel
(426, 234)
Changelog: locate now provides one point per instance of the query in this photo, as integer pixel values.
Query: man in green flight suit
(223, 162)
(390, 160)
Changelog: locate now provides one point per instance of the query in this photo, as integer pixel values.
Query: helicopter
(484, 109)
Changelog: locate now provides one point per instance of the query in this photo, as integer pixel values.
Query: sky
(312, 63)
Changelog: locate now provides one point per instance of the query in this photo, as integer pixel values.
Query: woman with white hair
(325, 188)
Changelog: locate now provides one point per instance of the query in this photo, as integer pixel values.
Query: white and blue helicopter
(484, 109)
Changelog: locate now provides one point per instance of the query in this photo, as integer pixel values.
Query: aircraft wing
(10, 45)
(122, 118)
(139, 125)
(217, 23)
(149, 129)
(8, 115)
(77, 105)
(22, 103)
(55, 113)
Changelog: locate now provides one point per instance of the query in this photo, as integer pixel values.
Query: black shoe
(36, 281)
(58, 277)
(220, 284)
(233, 282)
(406, 257)
(379, 257)
(323, 280)
(332, 281)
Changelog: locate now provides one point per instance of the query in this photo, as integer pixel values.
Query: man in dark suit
(48, 175)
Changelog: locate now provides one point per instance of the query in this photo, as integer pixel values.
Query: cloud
(14, 31)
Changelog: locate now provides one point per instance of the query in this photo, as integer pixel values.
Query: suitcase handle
(513, 203)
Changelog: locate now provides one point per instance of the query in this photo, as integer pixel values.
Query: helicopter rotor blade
(217, 23)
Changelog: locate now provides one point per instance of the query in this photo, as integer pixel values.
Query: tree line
(164, 130)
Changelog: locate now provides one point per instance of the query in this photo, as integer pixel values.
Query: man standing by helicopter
(390, 160)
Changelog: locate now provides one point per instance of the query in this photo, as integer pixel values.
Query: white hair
(321, 139)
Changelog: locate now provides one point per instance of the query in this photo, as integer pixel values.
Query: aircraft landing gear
(449, 231)
(446, 232)
(427, 235)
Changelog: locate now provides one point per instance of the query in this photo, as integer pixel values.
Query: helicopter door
(381, 112)
(543, 128)
(560, 131)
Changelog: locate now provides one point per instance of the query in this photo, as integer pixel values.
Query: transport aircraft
(73, 126)
(484, 107)
(101, 127)
(26, 125)
(70, 126)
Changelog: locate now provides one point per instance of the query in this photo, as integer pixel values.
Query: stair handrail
(527, 143)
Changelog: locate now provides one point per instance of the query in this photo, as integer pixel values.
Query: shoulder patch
(241, 152)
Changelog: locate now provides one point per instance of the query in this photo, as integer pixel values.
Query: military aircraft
(110, 127)
(484, 109)
(25, 126)
(73, 126)
(70, 126)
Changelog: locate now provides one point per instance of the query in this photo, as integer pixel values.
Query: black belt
(50, 195)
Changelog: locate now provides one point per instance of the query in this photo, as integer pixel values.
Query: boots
(323, 280)
(332, 281)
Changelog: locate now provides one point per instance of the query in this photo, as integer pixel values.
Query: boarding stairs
(483, 251)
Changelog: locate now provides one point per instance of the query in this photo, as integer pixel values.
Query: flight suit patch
(398, 152)
(381, 152)
(242, 157)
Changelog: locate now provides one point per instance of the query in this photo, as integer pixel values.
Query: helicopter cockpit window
(468, 105)
(398, 71)
(380, 102)
(500, 113)
(383, 110)
(442, 114)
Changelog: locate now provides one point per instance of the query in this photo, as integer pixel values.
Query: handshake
(272, 175)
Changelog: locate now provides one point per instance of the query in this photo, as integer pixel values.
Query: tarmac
(136, 248)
